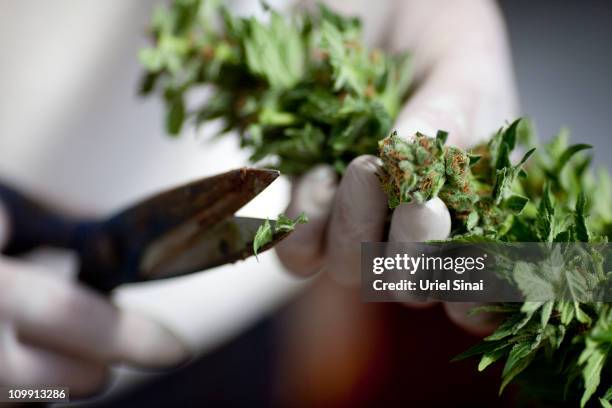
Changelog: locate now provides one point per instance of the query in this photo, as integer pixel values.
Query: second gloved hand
(56, 332)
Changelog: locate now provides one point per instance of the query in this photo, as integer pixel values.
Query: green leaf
(547, 203)
(528, 309)
(263, 236)
(546, 313)
(147, 83)
(474, 159)
(151, 59)
(516, 203)
(526, 157)
(606, 400)
(348, 73)
(566, 312)
(521, 355)
(442, 136)
(534, 287)
(503, 156)
(275, 51)
(492, 309)
(176, 115)
(472, 220)
(581, 316)
(568, 153)
(510, 134)
(490, 357)
(507, 328)
(285, 224)
(478, 349)
(266, 232)
(545, 223)
(582, 232)
(502, 182)
(595, 359)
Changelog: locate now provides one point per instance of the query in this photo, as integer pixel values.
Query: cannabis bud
(477, 192)
(424, 168)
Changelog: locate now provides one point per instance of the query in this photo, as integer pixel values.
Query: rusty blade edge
(166, 266)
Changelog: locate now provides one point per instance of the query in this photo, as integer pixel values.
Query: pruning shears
(181, 231)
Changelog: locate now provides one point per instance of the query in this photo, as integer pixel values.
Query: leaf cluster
(267, 231)
(546, 196)
(299, 91)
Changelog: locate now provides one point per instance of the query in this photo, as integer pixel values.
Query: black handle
(33, 225)
(108, 255)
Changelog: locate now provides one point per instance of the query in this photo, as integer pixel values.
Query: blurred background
(562, 58)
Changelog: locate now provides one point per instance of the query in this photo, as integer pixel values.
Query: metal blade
(191, 249)
(203, 203)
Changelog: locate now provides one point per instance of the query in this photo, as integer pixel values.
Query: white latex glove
(465, 87)
(55, 332)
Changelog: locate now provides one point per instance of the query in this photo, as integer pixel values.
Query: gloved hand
(462, 64)
(55, 332)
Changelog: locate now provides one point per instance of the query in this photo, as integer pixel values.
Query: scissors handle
(105, 262)
(33, 225)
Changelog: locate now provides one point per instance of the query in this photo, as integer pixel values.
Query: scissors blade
(205, 202)
(112, 253)
(191, 249)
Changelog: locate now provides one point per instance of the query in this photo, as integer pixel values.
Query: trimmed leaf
(284, 223)
(266, 232)
(263, 236)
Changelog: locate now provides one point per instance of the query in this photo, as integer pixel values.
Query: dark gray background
(563, 63)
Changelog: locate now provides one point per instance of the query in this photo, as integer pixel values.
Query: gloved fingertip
(313, 194)
(414, 222)
(359, 215)
(302, 252)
